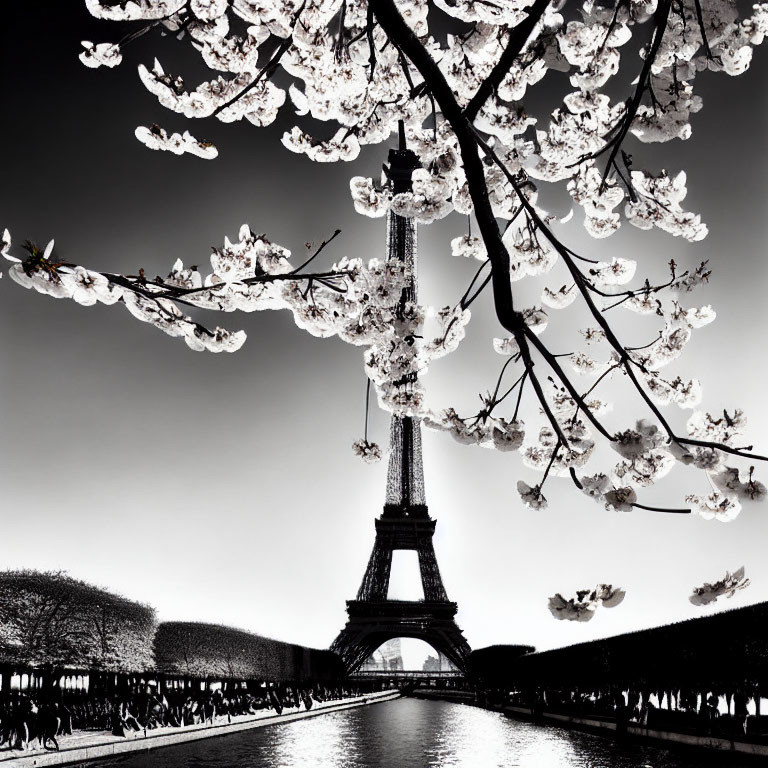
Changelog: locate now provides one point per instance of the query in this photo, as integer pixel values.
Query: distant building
(387, 657)
(438, 663)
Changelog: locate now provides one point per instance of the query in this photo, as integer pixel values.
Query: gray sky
(223, 487)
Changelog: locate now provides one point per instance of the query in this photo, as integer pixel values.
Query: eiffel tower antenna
(405, 523)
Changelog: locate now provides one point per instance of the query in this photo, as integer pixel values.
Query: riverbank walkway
(662, 734)
(90, 745)
(710, 742)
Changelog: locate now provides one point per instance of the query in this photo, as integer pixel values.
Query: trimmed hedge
(491, 665)
(210, 650)
(48, 619)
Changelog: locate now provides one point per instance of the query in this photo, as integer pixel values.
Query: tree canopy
(211, 650)
(51, 619)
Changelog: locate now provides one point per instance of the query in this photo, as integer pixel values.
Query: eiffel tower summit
(405, 523)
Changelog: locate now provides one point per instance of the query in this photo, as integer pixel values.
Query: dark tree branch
(702, 29)
(474, 280)
(662, 509)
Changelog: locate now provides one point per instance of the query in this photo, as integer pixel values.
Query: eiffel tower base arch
(373, 623)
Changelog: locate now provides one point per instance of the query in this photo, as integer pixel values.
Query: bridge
(406, 675)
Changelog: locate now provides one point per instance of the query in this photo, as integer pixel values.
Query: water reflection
(410, 733)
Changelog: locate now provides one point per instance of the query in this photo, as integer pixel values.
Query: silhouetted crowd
(726, 714)
(28, 719)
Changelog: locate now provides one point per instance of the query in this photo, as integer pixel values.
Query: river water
(413, 733)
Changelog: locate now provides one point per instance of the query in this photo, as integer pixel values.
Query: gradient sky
(223, 488)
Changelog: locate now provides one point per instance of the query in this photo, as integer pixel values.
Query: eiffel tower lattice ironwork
(405, 523)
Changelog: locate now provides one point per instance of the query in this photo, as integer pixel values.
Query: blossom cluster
(582, 607)
(156, 137)
(356, 301)
(648, 455)
(43, 273)
(368, 451)
(342, 69)
(729, 585)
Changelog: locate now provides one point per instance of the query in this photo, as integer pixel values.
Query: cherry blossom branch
(518, 37)
(525, 331)
(268, 69)
(131, 36)
(369, 26)
(576, 481)
(520, 381)
(519, 396)
(624, 357)
(572, 391)
(537, 388)
(660, 26)
(504, 367)
(614, 19)
(135, 35)
(317, 252)
(177, 293)
(582, 400)
(551, 461)
(402, 35)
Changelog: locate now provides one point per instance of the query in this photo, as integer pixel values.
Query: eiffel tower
(405, 523)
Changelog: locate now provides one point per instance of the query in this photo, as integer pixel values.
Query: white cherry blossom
(582, 607)
(595, 486)
(632, 443)
(368, 199)
(531, 496)
(561, 298)
(573, 609)
(469, 247)
(368, 451)
(729, 585)
(343, 146)
(89, 287)
(506, 346)
(721, 428)
(620, 499)
(616, 272)
(716, 505)
(100, 54)
(609, 596)
(156, 137)
(507, 435)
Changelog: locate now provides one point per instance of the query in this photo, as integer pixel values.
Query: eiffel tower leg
(454, 647)
(375, 583)
(430, 573)
(354, 647)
